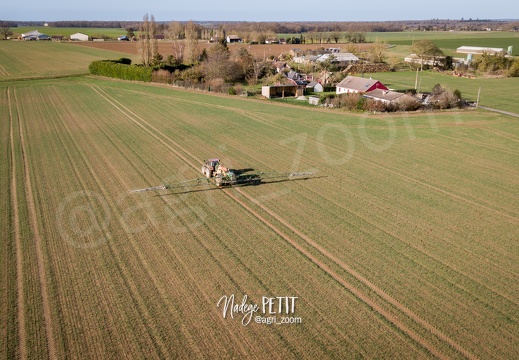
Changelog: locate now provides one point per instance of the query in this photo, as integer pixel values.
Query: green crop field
(111, 32)
(403, 245)
(451, 39)
(500, 93)
(27, 59)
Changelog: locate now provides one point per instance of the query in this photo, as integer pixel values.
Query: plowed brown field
(259, 50)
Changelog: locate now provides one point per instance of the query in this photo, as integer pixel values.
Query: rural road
(499, 111)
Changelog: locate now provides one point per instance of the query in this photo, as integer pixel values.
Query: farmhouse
(79, 37)
(354, 84)
(387, 96)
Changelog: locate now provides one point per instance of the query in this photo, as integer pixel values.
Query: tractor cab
(210, 166)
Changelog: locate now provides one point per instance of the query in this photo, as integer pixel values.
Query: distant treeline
(302, 27)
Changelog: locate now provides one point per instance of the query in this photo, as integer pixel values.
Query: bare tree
(336, 36)
(378, 51)
(175, 31)
(191, 49)
(147, 42)
(5, 30)
(426, 49)
(178, 51)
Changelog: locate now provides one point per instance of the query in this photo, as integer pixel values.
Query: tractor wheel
(207, 173)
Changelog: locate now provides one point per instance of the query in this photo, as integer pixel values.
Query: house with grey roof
(387, 96)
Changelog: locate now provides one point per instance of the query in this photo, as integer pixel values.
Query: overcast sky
(262, 10)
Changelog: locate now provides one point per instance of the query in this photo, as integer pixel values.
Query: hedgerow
(121, 69)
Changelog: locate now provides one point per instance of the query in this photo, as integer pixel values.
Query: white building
(79, 37)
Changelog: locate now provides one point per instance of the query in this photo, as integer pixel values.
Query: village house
(388, 96)
(354, 84)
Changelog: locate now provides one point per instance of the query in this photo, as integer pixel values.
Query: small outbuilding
(279, 91)
(79, 37)
(315, 86)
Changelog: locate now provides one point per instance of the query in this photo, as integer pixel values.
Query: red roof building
(354, 84)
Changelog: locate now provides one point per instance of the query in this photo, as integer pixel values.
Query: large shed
(79, 37)
(279, 91)
(340, 58)
(35, 35)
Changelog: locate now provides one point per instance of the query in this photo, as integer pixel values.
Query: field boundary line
(19, 258)
(352, 272)
(47, 312)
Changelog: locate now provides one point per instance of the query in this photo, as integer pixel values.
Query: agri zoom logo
(278, 310)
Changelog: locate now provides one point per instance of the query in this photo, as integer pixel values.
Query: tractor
(227, 177)
(209, 167)
(222, 175)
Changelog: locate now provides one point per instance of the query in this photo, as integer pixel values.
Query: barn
(279, 91)
(354, 84)
(233, 39)
(35, 35)
(79, 37)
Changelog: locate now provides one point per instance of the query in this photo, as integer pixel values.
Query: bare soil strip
(19, 257)
(391, 318)
(38, 242)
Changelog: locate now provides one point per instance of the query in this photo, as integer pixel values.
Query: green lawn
(497, 93)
